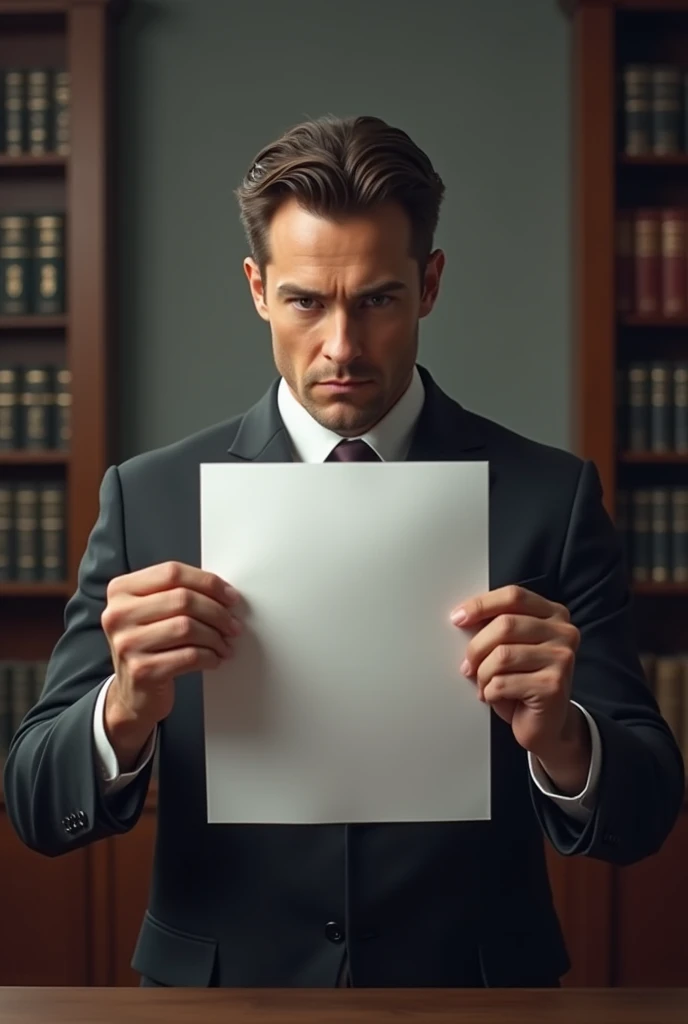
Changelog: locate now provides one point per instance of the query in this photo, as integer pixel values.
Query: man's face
(343, 300)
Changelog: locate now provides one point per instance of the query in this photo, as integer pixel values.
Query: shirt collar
(390, 438)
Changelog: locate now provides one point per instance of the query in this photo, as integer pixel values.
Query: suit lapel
(445, 431)
(261, 436)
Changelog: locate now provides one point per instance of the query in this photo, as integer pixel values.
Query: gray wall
(482, 85)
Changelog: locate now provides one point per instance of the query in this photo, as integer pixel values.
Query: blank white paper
(344, 701)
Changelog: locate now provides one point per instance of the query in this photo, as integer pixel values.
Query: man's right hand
(160, 622)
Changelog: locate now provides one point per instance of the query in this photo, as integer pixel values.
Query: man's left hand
(522, 657)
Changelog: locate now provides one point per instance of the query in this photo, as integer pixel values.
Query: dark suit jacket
(420, 904)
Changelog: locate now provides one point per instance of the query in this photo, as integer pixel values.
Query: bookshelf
(626, 926)
(61, 940)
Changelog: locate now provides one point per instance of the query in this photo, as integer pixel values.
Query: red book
(624, 262)
(674, 272)
(648, 263)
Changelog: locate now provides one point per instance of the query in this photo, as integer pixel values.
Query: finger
(170, 634)
(167, 604)
(164, 665)
(512, 599)
(506, 629)
(171, 575)
(508, 659)
(525, 687)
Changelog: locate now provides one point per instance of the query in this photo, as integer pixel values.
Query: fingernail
(459, 617)
(466, 668)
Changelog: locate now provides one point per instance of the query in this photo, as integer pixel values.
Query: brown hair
(337, 167)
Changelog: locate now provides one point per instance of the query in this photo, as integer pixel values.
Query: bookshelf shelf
(661, 589)
(33, 323)
(27, 162)
(654, 321)
(649, 160)
(654, 458)
(35, 590)
(29, 458)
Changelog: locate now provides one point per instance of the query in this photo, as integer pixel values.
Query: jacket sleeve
(52, 778)
(641, 785)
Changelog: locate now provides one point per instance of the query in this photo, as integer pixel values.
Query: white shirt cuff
(112, 779)
(582, 806)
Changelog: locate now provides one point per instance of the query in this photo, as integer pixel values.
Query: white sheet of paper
(344, 701)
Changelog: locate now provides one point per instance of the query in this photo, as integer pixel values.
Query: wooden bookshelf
(69, 935)
(624, 926)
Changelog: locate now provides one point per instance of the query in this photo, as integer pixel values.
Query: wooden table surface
(341, 1006)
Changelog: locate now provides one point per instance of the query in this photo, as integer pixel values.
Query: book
(15, 111)
(673, 262)
(647, 262)
(15, 264)
(666, 109)
(36, 404)
(61, 112)
(7, 532)
(637, 107)
(9, 408)
(38, 106)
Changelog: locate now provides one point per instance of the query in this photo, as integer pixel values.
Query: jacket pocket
(173, 957)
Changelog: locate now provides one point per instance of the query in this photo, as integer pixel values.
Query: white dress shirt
(390, 439)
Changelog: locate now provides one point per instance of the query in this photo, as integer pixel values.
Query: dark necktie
(353, 451)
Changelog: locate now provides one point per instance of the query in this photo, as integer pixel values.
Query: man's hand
(160, 622)
(522, 656)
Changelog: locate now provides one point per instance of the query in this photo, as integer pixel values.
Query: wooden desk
(324, 1006)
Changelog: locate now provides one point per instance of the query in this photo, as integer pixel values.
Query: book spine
(625, 301)
(27, 533)
(638, 109)
(661, 411)
(15, 264)
(660, 516)
(22, 692)
(5, 708)
(38, 110)
(9, 398)
(63, 409)
(647, 258)
(14, 89)
(36, 408)
(669, 692)
(49, 264)
(61, 112)
(53, 547)
(641, 550)
(623, 526)
(666, 110)
(7, 520)
(638, 437)
(674, 264)
(680, 401)
(679, 534)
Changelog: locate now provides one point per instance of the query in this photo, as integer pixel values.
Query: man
(340, 217)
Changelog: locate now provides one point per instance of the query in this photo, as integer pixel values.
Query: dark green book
(641, 559)
(679, 536)
(61, 112)
(661, 407)
(27, 535)
(660, 521)
(7, 533)
(666, 110)
(22, 692)
(637, 109)
(36, 408)
(53, 532)
(63, 409)
(638, 412)
(15, 264)
(38, 106)
(9, 408)
(680, 403)
(48, 273)
(15, 111)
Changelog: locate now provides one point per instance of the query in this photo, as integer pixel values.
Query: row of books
(21, 684)
(32, 263)
(667, 676)
(35, 111)
(653, 522)
(653, 107)
(35, 408)
(652, 403)
(33, 532)
(652, 261)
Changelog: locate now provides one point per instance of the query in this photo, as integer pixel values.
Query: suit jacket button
(334, 932)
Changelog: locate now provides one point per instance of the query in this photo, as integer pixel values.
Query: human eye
(377, 301)
(304, 303)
